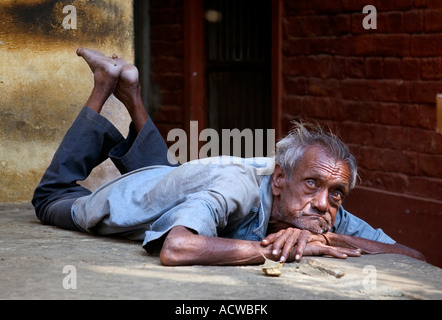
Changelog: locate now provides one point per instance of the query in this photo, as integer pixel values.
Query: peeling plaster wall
(44, 84)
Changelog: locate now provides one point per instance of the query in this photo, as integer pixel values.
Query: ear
(278, 180)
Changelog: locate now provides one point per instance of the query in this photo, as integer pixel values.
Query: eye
(338, 196)
(311, 183)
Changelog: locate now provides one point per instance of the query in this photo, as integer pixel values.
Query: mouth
(312, 215)
(323, 219)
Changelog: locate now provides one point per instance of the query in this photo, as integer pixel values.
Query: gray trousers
(89, 141)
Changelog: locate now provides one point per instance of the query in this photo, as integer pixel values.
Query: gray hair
(290, 149)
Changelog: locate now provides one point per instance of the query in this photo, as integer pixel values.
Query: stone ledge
(32, 258)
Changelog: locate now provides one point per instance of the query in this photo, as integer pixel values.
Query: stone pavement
(44, 262)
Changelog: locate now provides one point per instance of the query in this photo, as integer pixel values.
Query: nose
(320, 201)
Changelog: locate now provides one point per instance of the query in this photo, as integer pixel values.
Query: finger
(351, 252)
(290, 241)
(303, 239)
(342, 253)
(278, 244)
(269, 239)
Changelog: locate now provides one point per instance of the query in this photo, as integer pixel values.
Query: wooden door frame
(195, 106)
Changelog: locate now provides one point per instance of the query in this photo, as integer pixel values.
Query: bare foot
(128, 91)
(106, 74)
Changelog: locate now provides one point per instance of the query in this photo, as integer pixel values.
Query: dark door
(238, 64)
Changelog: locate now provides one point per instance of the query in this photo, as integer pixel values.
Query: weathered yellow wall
(44, 84)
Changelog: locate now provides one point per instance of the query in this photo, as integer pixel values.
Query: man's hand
(292, 243)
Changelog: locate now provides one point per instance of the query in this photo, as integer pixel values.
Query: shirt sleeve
(194, 214)
(348, 224)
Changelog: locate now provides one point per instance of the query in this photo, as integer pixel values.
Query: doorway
(238, 64)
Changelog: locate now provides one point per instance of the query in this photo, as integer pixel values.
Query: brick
(298, 66)
(393, 182)
(356, 133)
(424, 141)
(411, 69)
(423, 91)
(413, 21)
(296, 46)
(389, 91)
(393, 45)
(353, 5)
(426, 45)
(420, 3)
(426, 187)
(324, 25)
(296, 86)
(360, 45)
(433, 21)
(392, 22)
(392, 68)
(433, 4)
(374, 68)
(298, 8)
(293, 27)
(425, 120)
(326, 7)
(387, 137)
(325, 45)
(357, 26)
(396, 5)
(355, 89)
(404, 162)
(373, 112)
(355, 67)
(430, 165)
(431, 68)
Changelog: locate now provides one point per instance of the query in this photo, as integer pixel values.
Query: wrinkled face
(311, 198)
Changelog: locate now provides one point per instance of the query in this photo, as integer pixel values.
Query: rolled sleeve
(195, 213)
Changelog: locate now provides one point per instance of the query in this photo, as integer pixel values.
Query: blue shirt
(222, 197)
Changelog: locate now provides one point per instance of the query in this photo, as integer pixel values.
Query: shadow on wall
(43, 84)
(34, 20)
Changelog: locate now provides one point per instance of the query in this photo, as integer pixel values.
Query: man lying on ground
(209, 214)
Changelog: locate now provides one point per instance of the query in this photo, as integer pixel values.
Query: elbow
(175, 250)
(410, 252)
(420, 256)
(170, 255)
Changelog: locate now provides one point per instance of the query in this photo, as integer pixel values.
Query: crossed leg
(92, 139)
(115, 75)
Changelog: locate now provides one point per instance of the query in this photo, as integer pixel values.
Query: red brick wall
(167, 54)
(376, 89)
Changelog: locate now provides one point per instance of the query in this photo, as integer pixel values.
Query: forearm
(369, 246)
(183, 247)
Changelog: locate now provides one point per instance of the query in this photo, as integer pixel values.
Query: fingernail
(275, 252)
(282, 259)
